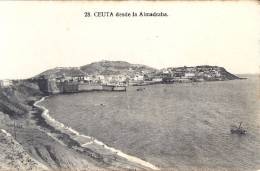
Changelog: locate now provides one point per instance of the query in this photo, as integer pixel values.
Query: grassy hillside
(114, 67)
(60, 71)
(102, 67)
(14, 100)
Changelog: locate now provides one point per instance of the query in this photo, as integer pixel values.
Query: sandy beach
(52, 144)
(86, 141)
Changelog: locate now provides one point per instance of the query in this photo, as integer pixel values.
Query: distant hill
(115, 68)
(101, 67)
(119, 67)
(61, 71)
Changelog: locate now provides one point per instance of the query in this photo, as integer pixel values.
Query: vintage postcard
(130, 85)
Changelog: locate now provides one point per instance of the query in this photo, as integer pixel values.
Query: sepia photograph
(130, 85)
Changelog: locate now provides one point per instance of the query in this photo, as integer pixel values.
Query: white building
(217, 74)
(165, 71)
(138, 78)
(189, 74)
(157, 79)
(5, 83)
(88, 78)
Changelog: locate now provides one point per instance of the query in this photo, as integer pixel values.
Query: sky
(36, 36)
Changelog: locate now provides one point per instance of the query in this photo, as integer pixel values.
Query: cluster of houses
(82, 82)
(5, 83)
(120, 79)
(188, 74)
(93, 79)
(180, 74)
(76, 82)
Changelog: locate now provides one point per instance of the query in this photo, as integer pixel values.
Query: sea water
(171, 125)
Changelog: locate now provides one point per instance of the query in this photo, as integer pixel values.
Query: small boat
(238, 130)
(108, 87)
(140, 89)
(119, 88)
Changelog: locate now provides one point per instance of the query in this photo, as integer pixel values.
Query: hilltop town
(116, 75)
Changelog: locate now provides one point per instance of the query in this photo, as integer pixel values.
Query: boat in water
(238, 130)
(140, 89)
(108, 87)
(111, 87)
(119, 88)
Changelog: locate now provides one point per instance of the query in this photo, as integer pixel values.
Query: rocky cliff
(227, 75)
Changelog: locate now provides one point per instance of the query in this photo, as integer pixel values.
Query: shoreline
(63, 146)
(87, 140)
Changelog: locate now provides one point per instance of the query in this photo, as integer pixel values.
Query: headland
(51, 144)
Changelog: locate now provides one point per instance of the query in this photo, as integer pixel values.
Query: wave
(91, 140)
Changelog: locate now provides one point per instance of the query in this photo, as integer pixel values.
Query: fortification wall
(70, 87)
(89, 87)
